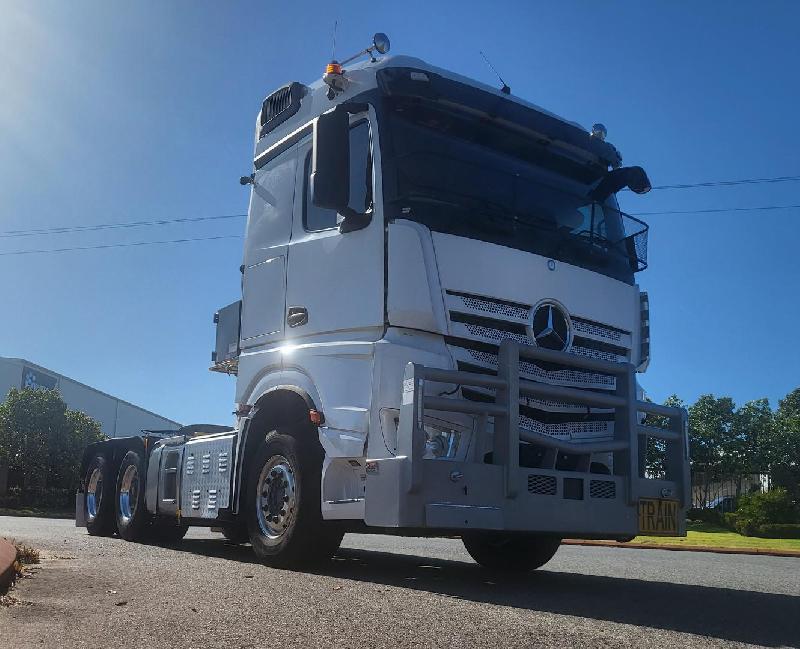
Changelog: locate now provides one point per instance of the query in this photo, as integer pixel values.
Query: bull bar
(409, 490)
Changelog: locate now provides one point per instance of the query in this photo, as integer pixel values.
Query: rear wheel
(132, 516)
(284, 520)
(509, 552)
(98, 497)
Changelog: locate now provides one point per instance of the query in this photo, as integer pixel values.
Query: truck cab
(439, 333)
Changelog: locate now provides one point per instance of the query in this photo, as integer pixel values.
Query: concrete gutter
(8, 555)
(685, 548)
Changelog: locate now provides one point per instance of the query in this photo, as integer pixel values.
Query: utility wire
(236, 236)
(8, 234)
(715, 210)
(119, 245)
(67, 229)
(729, 183)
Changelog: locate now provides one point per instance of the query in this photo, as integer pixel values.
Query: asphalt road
(388, 592)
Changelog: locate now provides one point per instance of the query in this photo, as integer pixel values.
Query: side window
(316, 218)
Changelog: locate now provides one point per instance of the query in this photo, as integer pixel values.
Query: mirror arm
(354, 220)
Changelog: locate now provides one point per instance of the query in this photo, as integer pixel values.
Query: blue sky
(117, 111)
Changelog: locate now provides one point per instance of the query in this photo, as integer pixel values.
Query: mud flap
(80, 510)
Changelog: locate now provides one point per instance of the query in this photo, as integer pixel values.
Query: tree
(656, 454)
(785, 449)
(711, 426)
(41, 440)
(751, 443)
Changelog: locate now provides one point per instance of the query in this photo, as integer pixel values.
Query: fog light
(440, 442)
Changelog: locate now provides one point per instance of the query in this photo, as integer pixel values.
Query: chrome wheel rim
(129, 493)
(277, 497)
(94, 494)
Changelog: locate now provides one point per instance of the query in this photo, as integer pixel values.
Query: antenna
(506, 89)
(335, 25)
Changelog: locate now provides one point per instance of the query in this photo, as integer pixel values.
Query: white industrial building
(117, 418)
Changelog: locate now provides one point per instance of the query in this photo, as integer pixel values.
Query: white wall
(10, 376)
(117, 418)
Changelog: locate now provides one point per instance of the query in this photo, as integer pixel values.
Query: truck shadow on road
(764, 619)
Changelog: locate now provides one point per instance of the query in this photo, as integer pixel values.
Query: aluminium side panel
(206, 476)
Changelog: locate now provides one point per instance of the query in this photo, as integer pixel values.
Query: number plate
(658, 517)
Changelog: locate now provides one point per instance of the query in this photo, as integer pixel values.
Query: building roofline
(25, 361)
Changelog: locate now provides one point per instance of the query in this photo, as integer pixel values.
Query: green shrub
(745, 526)
(702, 515)
(39, 498)
(778, 531)
(767, 508)
(729, 520)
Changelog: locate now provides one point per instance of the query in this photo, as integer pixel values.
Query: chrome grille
(496, 334)
(494, 307)
(600, 331)
(478, 324)
(602, 489)
(531, 371)
(542, 484)
(568, 429)
(597, 353)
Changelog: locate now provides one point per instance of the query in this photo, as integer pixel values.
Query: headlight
(441, 442)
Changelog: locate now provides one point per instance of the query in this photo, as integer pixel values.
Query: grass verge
(707, 535)
(39, 513)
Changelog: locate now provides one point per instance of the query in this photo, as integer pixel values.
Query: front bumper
(408, 491)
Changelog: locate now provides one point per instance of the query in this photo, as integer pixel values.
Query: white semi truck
(439, 334)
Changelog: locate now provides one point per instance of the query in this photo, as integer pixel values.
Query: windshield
(461, 174)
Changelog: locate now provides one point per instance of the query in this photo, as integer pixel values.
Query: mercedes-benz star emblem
(551, 327)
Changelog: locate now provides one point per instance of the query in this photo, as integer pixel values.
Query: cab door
(269, 226)
(335, 281)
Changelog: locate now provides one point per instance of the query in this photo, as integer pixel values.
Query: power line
(119, 245)
(729, 183)
(719, 209)
(7, 234)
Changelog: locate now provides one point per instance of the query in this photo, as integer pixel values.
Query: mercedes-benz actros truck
(439, 333)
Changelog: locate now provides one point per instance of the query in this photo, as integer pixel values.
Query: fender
(335, 442)
(114, 449)
(344, 431)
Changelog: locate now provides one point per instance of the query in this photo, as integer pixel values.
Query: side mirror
(637, 180)
(634, 178)
(330, 161)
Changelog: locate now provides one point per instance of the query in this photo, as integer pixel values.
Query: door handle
(297, 316)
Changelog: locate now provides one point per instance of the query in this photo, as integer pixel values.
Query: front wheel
(510, 552)
(283, 498)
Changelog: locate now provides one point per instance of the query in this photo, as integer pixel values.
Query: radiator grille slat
(479, 324)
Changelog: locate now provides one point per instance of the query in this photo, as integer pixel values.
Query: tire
(98, 497)
(167, 532)
(283, 503)
(509, 552)
(132, 516)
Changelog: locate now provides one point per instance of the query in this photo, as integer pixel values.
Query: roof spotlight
(381, 43)
(599, 131)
